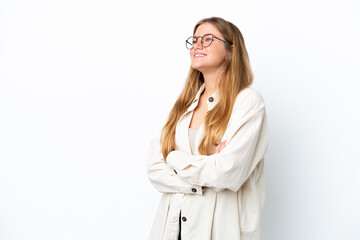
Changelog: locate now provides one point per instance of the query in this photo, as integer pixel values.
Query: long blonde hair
(237, 75)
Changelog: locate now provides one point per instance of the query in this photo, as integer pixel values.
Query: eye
(208, 39)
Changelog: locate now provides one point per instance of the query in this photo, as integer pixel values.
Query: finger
(217, 149)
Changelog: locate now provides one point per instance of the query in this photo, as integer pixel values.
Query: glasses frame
(202, 42)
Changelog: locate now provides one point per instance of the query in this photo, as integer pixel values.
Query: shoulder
(249, 97)
(249, 94)
(249, 109)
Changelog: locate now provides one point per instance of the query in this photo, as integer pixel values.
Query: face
(211, 58)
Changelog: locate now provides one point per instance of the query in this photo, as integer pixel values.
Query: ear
(229, 53)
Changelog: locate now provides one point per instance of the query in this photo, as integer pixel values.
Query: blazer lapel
(182, 129)
(182, 133)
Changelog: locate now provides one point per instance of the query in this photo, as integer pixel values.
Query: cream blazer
(221, 196)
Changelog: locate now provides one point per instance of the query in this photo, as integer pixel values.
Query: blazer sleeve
(247, 142)
(164, 179)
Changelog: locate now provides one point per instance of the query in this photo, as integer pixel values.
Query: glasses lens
(189, 43)
(207, 40)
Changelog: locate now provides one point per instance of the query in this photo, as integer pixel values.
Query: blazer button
(175, 171)
(211, 99)
(184, 219)
(193, 190)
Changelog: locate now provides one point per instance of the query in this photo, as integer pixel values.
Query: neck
(210, 80)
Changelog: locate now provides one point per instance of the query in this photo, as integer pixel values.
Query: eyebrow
(203, 35)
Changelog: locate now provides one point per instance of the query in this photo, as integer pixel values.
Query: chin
(197, 67)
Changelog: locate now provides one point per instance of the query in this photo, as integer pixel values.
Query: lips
(199, 55)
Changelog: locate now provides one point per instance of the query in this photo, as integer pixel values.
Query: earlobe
(229, 53)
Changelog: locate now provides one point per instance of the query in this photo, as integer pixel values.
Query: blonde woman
(209, 159)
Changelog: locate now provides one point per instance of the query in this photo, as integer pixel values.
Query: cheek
(221, 54)
(218, 58)
(191, 54)
(217, 52)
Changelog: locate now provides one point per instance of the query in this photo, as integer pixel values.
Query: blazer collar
(211, 101)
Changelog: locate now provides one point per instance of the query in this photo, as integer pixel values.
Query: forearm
(247, 143)
(164, 179)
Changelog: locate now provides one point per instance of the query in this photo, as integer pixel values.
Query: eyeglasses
(206, 40)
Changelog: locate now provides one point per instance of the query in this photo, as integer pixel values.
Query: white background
(85, 85)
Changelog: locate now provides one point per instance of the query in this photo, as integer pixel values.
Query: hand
(220, 146)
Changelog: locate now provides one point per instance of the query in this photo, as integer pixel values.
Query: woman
(209, 159)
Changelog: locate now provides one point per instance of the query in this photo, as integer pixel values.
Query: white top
(222, 195)
(192, 135)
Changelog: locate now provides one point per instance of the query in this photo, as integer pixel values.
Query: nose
(198, 45)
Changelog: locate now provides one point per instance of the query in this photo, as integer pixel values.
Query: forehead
(207, 28)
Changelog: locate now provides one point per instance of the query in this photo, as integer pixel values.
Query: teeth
(199, 55)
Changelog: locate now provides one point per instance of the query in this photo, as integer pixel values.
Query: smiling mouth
(199, 55)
